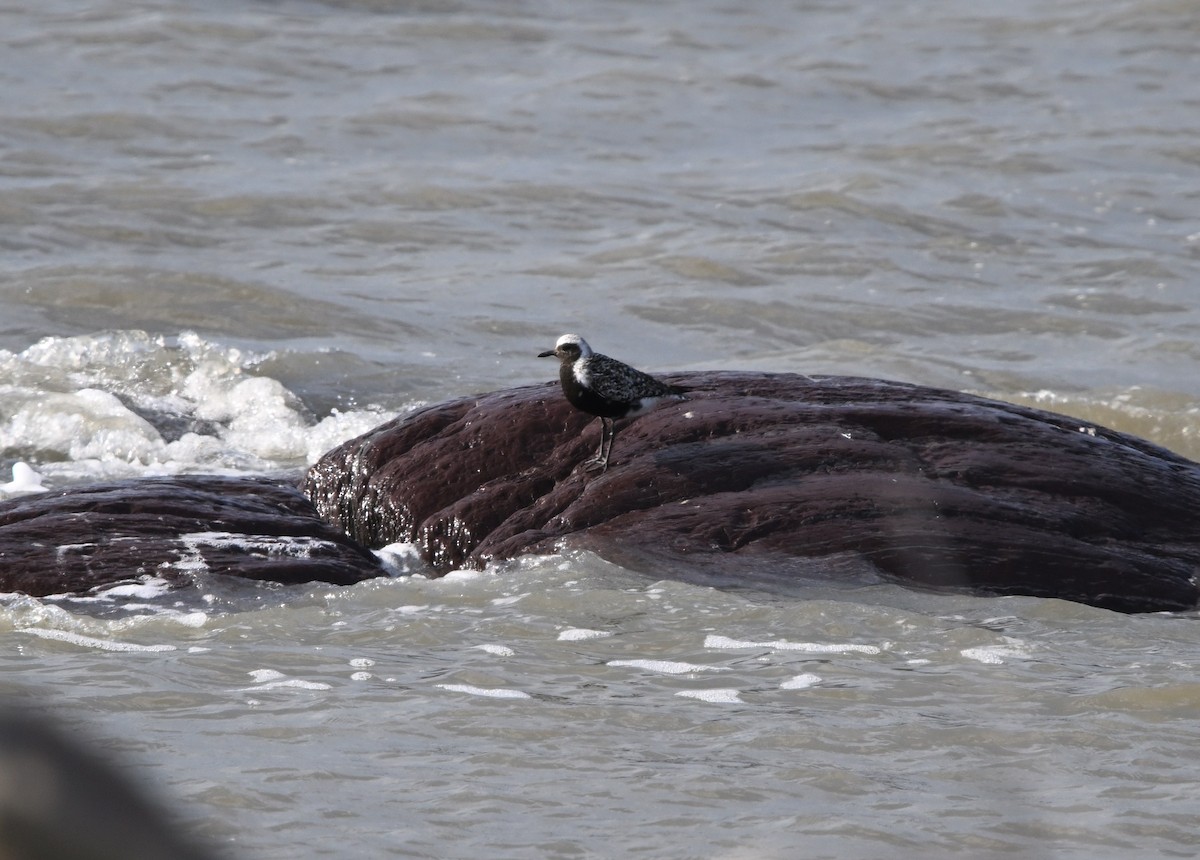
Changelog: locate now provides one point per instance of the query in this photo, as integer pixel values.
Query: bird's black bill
(546, 354)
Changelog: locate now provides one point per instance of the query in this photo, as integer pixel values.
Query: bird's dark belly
(586, 400)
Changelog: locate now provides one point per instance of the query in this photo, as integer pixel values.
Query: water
(235, 234)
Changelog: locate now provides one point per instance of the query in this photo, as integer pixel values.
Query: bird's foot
(596, 463)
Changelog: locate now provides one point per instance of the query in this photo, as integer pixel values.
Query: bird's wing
(618, 381)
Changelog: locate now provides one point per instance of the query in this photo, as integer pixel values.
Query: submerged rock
(71, 541)
(770, 479)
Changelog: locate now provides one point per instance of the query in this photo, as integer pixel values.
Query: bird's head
(569, 348)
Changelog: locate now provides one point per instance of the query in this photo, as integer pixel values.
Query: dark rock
(765, 479)
(73, 540)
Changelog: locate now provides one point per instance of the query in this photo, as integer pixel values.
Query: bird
(607, 388)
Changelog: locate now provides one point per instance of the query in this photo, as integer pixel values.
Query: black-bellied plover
(605, 387)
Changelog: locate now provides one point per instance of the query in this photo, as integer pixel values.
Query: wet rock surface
(72, 541)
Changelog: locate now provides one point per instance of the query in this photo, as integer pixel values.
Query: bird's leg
(607, 449)
(600, 461)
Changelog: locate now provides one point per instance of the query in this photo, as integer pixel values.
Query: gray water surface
(270, 226)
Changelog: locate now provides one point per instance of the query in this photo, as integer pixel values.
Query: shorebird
(605, 387)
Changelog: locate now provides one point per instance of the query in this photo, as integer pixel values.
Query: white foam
(996, 654)
(24, 480)
(271, 679)
(273, 546)
(666, 667)
(261, 676)
(91, 641)
(487, 692)
(579, 634)
(725, 642)
(147, 588)
(87, 424)
(410, 609)
(81, 405)
(462, 576)
(497, 650)
(800, 682)
(156, 615)
(338, 426)
(718, 696)
(400, 559)
(195, 619)
(289, 684)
